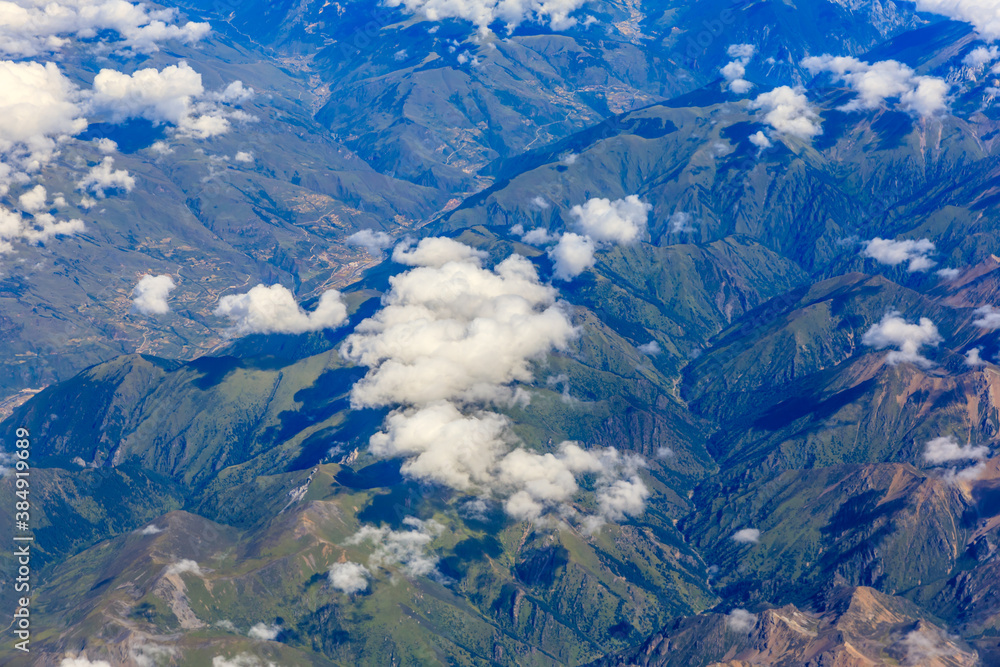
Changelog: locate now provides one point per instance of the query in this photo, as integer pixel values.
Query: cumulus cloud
(652, 348)
(349, 577)
(928, 646)
(407, 549)
(241, 660)
(760, 140)
(948, 274)
(456, 332)
(981, 56)
(103, 177)
(740, 620)
(454, 339)
(173, 95)
(600, 222)
(734, 71)
(149, 296)
(989, 318)
(946, 449)
(372, 241)
(482, 13)
(243, 156)
(547, 481)
(681, 223)
(874, 83)
(36, 229)
(573, 255)
(894, 331)
(538, 236)
(82, 661)
(182, 566)
(747, 536)
(105, 145)
(264, 631)
(151, 529)
(984, 15)
(33, 27)
(273, 310)
(40, 107)
(788, 111)
(972, 357)
(435, 252)
(606, 221)
(892, 252)
(34, 199)
(150, 655)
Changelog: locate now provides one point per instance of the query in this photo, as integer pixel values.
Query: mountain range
(607, 333)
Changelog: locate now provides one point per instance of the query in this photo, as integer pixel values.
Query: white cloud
(453, 339)
(734, 71)
(243, 156)
(874, 83)
(150, 294)
(989, 318)
(150, 655)
(664, 453)
(573, 255)
(891, 252)
(83, 662)
(760, 140)
(33, 27)
(241, 660)
(540, 202)
(554, 13)
(981, 56)
(151, 529)
(373, 242)
(740, 620)
(894, 331)
(972, 357)
(605, 221)
(103, 177)
(264, 632)
(681, 223)
(435, 252)
(652, 348)
(456, 332)
(547, 482)
(984, 15)
(788, 111)
(39, 108)
(274, 310)
(34, 199)
(747, 536)
(182, 566)
(405, 548)
(161, 148)
(444, 445)
(946, 449)
(948, 274)
(40, 228)
(172, 95)
(105, 145)
(349, 577)
(538, 236)
(234, 93)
